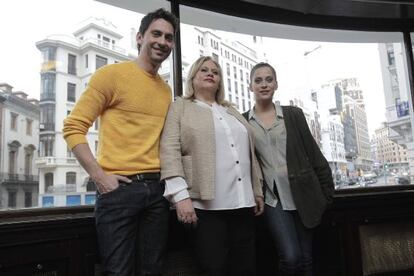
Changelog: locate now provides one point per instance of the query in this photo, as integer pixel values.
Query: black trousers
(224, 242)
(132, 229)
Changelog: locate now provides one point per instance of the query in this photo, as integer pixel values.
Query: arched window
(13, 151)
(28, 159)
(90, 186)
(70, 178)
(48, 182)
(12, 162)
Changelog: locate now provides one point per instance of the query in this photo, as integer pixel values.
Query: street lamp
(313, 50)
(305, 55)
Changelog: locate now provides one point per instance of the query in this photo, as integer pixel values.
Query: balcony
(14, 178)
(48, 66)
(53, 162)
(47, 96)
(61, 189)
(47, 126)
(103, 44)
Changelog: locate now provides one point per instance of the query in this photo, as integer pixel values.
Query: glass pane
(352, 87)
(43, 71)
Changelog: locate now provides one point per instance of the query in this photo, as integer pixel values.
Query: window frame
(269, 16)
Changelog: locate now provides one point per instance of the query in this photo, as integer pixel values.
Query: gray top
(271, 149)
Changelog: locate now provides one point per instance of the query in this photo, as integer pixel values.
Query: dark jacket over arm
(310, 176)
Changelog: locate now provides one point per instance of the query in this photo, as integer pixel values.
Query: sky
(327, 61)
(32, 21)
(25, 22)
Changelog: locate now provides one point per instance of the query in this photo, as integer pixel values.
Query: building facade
(332, 130)
(19, 139)
(235, 58)
(389, 155)
(397, 98)
(68, 63)
(351, 106)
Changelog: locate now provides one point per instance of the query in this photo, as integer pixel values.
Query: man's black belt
(144, 176)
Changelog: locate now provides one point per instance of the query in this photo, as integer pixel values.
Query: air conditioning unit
(41, 126)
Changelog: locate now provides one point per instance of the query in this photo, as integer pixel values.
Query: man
(132, 101)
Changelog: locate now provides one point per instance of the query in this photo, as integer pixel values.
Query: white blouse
(233, 171)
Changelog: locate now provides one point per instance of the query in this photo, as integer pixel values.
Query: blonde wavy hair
(189, 87)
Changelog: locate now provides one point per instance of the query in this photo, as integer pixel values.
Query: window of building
(28, 199)
(48, 182)
(13, 120)
(73, 200)
(71, 64)
(70, 178)
(86, 61)
(13, 148)
(47, 117)
(47, 86)
(28, 163)
(12, 194)
(12, 162)
(28, 159)
(46, 144)
(71, 92)
(49, 53)
(90, 186)
(29, 127)
(101, 61)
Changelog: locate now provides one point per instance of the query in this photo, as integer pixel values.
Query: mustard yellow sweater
(132, 106)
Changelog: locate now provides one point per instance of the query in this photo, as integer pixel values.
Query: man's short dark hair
(158, 14)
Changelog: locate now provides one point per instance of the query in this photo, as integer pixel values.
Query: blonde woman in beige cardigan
(211, 173)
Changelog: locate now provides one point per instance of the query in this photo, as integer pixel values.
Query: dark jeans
(292, 239)
(224, 242)
(132, 228)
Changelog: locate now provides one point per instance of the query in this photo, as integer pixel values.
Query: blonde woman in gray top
(211, 174)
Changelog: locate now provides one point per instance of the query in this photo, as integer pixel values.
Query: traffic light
(386, 166)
